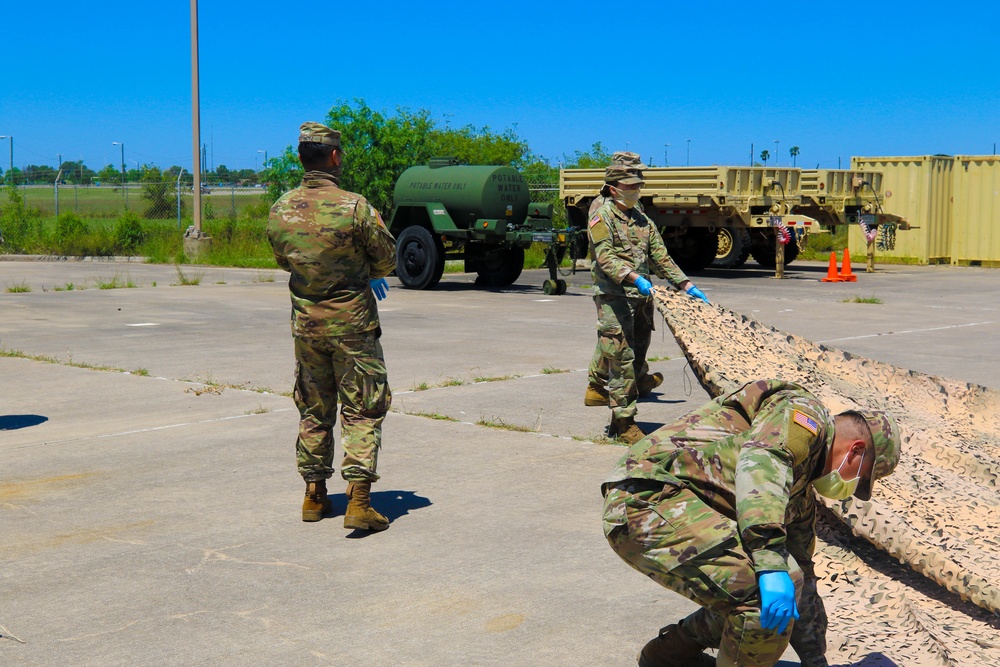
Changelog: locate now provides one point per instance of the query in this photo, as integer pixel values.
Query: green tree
(794, 152)
(597, 157)
(222, 171)
(764, 155)
(74, 171)
(159, 193)
(110, 175)
(36, 173)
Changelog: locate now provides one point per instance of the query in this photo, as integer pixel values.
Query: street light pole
(689, 152)
(666, 160)
(195, 119)
(10, 169)
(124, 188)
(776, 142)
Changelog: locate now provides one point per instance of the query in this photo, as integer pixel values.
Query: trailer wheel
(696, 251)
(734, 248)
(550, 287)
(763, 252)
(419, 258)
(500, 267)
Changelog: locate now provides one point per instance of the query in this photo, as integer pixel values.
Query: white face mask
(627, 198)
(833, 486)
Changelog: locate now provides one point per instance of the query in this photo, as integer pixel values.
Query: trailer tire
(501, 267)
(763, 253)
(419, 258)
(733, 249)
(697, 250)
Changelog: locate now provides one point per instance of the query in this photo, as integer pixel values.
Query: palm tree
(764, 154)
(794, 152)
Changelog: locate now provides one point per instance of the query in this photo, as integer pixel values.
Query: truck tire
(697, 250)
(501, 267)
(419, 258)
(763, 252)
(734, 248)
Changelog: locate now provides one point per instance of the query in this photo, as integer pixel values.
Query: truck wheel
(763, 252)
(734, 248)
(419, 258)
(501, 268)
(697, 250)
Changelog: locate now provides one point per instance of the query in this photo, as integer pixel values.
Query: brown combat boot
(360, 515)
(648, 382)
(316, 503)
(673, 648)
(596, 396)
(627, 430)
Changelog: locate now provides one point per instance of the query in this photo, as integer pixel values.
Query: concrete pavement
(152, 517)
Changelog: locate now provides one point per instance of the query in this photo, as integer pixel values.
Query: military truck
(707, 214)
(480, 214)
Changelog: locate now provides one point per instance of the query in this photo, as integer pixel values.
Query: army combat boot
(673, 648)
(626, 429)
(596, 396)
(360, 515)
(316, 503)
(648, 382)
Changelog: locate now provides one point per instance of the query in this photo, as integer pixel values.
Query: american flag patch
(593, 221)
(806, 422)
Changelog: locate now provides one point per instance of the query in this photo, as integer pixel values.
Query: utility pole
(689, 152)
(10, 169)
(195, 118)
(666, 160)
(124, 185)
(776, 142)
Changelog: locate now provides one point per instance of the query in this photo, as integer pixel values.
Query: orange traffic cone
(845, 269)
(831, 273)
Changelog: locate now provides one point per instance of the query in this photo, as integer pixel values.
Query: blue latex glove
(777, 600)
(697, 293)
(380, 287)
(643, 285)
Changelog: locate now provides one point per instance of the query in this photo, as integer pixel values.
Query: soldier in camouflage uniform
(624, 247)
(338, 251)
(719, 507)
(598, 375)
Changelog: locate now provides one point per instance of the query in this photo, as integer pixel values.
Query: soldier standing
(624, 246)
(338, 251)
(719, 507)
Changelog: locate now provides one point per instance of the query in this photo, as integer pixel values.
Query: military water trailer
(705, 214)
(480, 214)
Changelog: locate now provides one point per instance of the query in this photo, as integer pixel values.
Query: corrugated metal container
(976, 224)
(919, 189)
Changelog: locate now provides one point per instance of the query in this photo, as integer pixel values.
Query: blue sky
(835, 79)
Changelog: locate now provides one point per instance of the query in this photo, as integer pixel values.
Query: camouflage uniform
(332, 242)
(705, 503)
(599, 373)
(622, 242)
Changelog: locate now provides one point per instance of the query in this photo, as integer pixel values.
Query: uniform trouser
(598, 375)
(682, 544)
(349, 368)
(624, 329)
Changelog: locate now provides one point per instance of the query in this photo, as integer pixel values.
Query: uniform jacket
(626, 241)
(332, 242)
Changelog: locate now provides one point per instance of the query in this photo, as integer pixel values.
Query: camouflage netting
(939, 513)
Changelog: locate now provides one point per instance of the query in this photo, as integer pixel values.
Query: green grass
(19, 287)
(68, 287)
(551, 370)
(494, 378)
(863, 299)
(452, 382)
(660, 358)
(423, 386)
(18, 354)
(184, 279)
(116, 282)
(259, 410)
(108, 201)
(432, 415)
(496, 422)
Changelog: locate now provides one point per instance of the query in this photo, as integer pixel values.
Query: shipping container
(976, 218)
(919, 189)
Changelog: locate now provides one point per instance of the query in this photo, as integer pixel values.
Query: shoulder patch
(598, 229)
(806, 422)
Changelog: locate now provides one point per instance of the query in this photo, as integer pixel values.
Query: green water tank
(469, 193)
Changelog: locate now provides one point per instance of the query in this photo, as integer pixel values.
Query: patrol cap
(317, 133)
(623, 175)
(885, 438)
(626, 159)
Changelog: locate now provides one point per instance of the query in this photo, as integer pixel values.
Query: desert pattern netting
(938, 514)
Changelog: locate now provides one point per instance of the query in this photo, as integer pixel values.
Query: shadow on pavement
(393, 504)
(14, 422)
